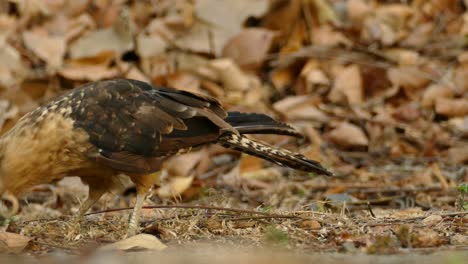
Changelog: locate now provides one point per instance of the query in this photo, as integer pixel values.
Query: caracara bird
(129, 127)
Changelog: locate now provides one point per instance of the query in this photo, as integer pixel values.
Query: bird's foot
(76, 219)
(74, 226)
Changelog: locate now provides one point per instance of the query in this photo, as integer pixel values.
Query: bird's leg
(93, 197)
(134, 221)
(143, 183)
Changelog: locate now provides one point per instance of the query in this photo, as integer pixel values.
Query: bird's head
(9, 204)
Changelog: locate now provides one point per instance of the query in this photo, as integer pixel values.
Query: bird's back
(121, 124)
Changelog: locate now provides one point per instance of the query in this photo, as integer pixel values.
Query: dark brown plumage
(126, 126)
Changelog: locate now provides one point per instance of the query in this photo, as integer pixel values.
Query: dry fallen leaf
(458, 154)
(183, 165)
(49, 48)
(406, 112)
(175, 187)
(218, 21)
(12, 243)
(381, 26)
(348, 135)
(138, 242)
(459, 239)
(91, 68)
(325, 12)
(379, 30)
(426, 237)
(233, 78)
(310, 224)
(404, 57)
(420, 36)
(300, 108)
(357, 10)
(132, 72)
(78, 26)
(89, 72)
(282, 78)
(291, 102)
(184, 81)
(410, 78)
(250, 163)
(309, 112)
(31, 8)
(266, 175)
(74, 8)
(435, 92)
(452, 107)
(347, 87)
(314, 76)
(245, 224)
(14, 71)
(7, 111)
(250, 47)
(461, 79)
(117, 39)
(149, 46)
(326, 35)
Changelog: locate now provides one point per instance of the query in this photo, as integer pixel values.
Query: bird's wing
(129, 116)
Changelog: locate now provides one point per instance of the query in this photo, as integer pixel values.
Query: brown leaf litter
(378, 88)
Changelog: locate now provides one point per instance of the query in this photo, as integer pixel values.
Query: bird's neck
(29, 157)
(17, 173)
(40, 152)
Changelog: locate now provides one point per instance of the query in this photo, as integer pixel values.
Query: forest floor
(378, 88)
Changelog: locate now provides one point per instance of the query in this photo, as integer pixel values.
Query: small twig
(370, 188)
(409, 220)
(308, 18)
(184, 216)
(178, 206)
(370, 210)
(211, 42)
(442, 179)
(400, 189)
(447, 214)
(232, 218)
(263, 217)
(182, 206)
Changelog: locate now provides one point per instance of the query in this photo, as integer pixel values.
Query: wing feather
(129, 116)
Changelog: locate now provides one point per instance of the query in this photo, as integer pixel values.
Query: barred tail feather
(279, 156)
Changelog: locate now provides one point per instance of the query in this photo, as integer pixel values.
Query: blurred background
(378, 88)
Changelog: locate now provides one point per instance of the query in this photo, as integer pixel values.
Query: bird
(123, 126)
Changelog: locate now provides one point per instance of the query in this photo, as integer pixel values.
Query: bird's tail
(279, 156)
(253, 123)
